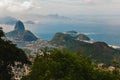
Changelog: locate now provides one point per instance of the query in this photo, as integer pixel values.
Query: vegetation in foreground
(9, 54)
(63, 65)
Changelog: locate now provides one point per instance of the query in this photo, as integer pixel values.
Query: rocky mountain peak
(19, 26)
(19, 33)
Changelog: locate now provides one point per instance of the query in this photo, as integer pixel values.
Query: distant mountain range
(8, 20)
(53, 16)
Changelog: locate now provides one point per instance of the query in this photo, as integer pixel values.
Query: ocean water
(111, 39)
(104, 32)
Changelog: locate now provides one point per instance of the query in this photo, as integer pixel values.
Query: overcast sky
(62, 7)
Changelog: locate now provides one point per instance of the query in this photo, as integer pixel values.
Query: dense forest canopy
(63, 65)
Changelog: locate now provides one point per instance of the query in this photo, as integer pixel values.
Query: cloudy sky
(62, 7)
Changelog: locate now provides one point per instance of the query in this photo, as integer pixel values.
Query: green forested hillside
(98, 51)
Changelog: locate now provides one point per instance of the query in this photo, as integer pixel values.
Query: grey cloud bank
(59, 6)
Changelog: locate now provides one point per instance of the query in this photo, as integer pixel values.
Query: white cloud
(34, 5)
(63, 7)
(16, 5)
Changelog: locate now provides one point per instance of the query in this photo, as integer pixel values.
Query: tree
(9, 53)
(115, 63)
(1, 32)
(63, 65)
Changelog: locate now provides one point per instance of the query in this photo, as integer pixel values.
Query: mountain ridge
(98, 51)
